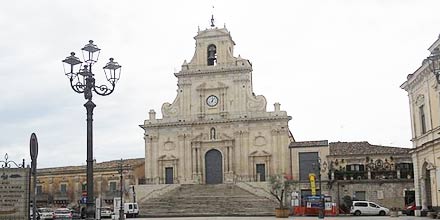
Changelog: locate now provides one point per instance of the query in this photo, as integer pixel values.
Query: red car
(409, 210)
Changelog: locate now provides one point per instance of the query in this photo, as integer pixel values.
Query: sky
(335, 66)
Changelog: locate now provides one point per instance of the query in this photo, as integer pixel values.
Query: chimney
(152, 114)
(277, 106)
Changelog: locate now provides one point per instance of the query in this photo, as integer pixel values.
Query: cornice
(425, 145)
(223, 121)
(222, 70)
(417, 77)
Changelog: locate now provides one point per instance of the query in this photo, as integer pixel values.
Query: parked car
(31, 215)
(368, 208)
(76, 214)
(106, 212)
(62, 213)
(45, 213)
(131, 209)
(409, 210)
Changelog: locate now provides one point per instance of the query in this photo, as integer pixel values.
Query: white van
(368, 208)
(131, 209)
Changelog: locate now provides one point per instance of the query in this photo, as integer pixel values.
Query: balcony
(350, 175)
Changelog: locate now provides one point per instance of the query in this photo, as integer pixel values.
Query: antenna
(212, 17)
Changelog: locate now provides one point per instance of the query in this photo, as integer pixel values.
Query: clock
(212, 100)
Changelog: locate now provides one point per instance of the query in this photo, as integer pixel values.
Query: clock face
(212, 100)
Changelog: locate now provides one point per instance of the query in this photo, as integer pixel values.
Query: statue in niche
(392, 164)
(336, 164)
(343, 165)
(371, 166)
(387, 165)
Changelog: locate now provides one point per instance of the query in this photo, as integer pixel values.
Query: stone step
(207, 200)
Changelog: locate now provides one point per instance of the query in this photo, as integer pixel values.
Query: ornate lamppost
(434, 63)
(82, 81)
(121, 207)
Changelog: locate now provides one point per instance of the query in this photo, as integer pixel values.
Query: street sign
(34, 146)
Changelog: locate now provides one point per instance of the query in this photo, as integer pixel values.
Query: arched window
(212, 133)
(212, 55)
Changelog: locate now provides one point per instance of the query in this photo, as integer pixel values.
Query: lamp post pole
(82, 81)
(321, 197)
(121, 208)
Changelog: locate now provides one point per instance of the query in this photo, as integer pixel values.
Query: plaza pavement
(292, 218)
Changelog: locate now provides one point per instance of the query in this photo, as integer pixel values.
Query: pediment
(168, 157)
(261, 153)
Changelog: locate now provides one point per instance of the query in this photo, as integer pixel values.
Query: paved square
(292, 218)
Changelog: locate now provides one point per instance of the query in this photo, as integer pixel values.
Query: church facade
(423, 91)
(216, 130)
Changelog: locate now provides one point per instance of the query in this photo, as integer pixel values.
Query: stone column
(274, 150)
(193, 159)
(246, 151)
(148, 146)
(251, 169)
(175, 171)
(423, 193)
(230, 159)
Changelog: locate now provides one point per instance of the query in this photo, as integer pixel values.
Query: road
(291, 218)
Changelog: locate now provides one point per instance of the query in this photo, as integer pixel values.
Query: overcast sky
(335, 67)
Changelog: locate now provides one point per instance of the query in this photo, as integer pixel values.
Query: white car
(106, 212)
(131, 209)
(62, 213)
(45, 213)
(368, 208)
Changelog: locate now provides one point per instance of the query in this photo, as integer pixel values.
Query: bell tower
(214, 47)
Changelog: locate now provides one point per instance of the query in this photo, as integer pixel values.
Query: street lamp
(434, 63)
(82, 81)
(321, 213)
(121, 207)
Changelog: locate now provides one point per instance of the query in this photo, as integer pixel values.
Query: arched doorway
(213, 167)
(428, 188)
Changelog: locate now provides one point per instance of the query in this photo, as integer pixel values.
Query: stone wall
(385, 193)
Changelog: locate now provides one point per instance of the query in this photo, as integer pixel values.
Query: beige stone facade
(215, 117)
(301, 181)
(364, 171)
(357, 170)
(65, 186)
(424, 101)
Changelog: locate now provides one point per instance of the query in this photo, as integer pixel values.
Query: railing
(384, 175)
(373, 175)
(350, 175)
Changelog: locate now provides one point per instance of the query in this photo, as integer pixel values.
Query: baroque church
(216, 130)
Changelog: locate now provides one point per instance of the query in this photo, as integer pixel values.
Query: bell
(211, 55)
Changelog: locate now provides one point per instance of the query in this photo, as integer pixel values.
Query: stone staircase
(207, 200)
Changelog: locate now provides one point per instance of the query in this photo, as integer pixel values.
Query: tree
(279, 187)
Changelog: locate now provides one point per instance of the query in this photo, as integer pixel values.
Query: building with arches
(424, 101)
(216, 130)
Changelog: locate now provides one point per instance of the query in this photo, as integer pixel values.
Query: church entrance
(261, 172)
(169, 175)
(213, 167)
